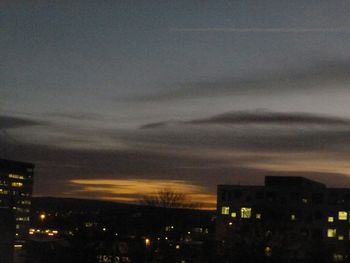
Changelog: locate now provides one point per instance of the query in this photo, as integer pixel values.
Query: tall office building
(291, 217)
(16, 183)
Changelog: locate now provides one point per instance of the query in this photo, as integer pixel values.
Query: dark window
(237, 194)
(317, 198)
(271, 196)
(259, 195)
(294, 197)
(318, 215)
(316, 234)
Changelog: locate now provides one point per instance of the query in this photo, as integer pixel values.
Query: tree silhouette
(168, 198)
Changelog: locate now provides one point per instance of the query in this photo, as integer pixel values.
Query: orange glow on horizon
(132, 190)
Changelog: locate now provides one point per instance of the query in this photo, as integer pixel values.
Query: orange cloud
(131, 190)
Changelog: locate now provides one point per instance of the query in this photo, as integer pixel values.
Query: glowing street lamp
(147, 242)
(42, 216)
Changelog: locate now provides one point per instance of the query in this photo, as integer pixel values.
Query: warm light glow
(234, 214)
(16, 184)
(123, 190)
(147, 242)
(292, 217)
(331, 232)
(340, 237)
(16, 176)
(258, 216)
(342, 215)
(268, 251)
(42, 216)
(338, 258)
(330, 219)
(225, 210)
(246, 212)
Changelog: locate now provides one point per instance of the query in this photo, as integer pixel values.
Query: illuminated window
(25, 202)
(342, 215)
(330, 219)
(304, 200)
(340, 237)
(230, 224)
(26, 219)
(331, 232)
(258, 216)
(225, 210)
(3, 192)
(246, 212)
(292, 217)
(338, 258)
(17, 184)
(234, 214)
(17, 226)
(16, 176)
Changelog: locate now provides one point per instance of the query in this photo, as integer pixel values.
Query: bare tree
(168, 198)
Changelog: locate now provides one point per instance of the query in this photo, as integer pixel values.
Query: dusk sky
(116, 99)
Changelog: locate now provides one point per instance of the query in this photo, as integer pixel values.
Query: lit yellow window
(338, 258)
(3, 192)
(331, 232)
(330, 219)
(16, 176)
(258, 216)
(17, 184)
(234, 214)
(246, 212)
(225, 210)
(340, 237)
(292, 217)
(342, 215)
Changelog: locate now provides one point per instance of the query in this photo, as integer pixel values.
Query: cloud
(237, 147)
(263, 30)
(251, 131)
(77, 116)
(260, 117)
(11, 122)
(322, 75)
(133, 190)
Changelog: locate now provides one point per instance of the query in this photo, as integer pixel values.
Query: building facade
(289, 218)
(16, 184)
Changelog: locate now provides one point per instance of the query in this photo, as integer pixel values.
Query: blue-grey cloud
(264, 30)
(322, 75)
(260, 117)
(12, 122)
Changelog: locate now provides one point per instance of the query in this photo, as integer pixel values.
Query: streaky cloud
(315, 77)
(263, 30)
(12, 122)
(256, 117)
(260, 117)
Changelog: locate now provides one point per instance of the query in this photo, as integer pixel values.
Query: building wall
(292, 214)
(16, 184)
(7, 230)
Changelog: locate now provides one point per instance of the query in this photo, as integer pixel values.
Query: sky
(115, 99)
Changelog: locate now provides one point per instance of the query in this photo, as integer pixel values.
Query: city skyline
(113, 100)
